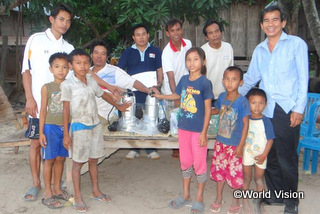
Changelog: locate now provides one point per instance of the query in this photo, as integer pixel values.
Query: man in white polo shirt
(219, 55)
(110, 75)
(173, 61)
(173, 56)
(35, 73)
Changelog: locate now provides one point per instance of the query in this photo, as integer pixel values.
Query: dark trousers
(282, 165)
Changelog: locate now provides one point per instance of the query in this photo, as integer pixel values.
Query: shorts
(226, 166)
(248, 159)
(54, 137)
(87, 142)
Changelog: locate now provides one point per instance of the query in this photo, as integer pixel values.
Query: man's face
(214, 35)
(61, 24)
(141, 37)
(99, 56)
(272, 24)
(175, 32)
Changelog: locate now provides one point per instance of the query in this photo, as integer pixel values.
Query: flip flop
(33, 191)
(179, 202)
(197, 208)
(101, 197)
(51, 203)
(234, 210)
(63, 196)
(215, 208)
(83, 206)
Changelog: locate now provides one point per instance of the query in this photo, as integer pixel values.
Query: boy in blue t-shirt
(234, 114)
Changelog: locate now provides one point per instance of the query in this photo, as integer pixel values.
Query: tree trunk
(3, 60)
(310, 10)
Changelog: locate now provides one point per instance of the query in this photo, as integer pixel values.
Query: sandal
(234, 210)
(33, 192)
(82, 206)
(197, 207)
(179, 202)
(215, 208)
(175, 153)
(63, 196)
(52, 203)
(102, 198)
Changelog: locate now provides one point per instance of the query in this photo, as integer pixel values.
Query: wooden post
(3, 60)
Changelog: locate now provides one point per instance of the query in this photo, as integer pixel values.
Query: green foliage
(112, 20)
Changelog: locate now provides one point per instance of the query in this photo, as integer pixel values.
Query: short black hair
(136, 26)
(256, 92)
(210, 22)
(98, 42)
(172, 22)
(235, 68)
(270, 8)
(60, 7)
(59, 55)
(78, 52)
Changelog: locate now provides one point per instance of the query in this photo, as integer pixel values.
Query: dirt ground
(135, 186)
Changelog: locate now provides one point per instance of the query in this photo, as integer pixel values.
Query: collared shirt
(134, 46)
(283, 74)
(83, 106)
(114, 76)
(39, 48)
(174, 60)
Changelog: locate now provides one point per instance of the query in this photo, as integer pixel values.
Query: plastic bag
(213, 125)
(174, 121)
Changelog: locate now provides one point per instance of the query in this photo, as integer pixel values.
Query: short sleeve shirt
(260, 131)
(174, 60)
(230, 118)
(192, 107)
(39, 48)
(114, 76)
(83, 106)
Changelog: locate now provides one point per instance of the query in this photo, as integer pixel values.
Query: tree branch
(102, 36)
(12, 5)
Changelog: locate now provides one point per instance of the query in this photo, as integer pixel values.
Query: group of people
(254, 123)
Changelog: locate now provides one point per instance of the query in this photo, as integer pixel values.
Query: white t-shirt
(114, 76)
(173, 60)
(217, 60)
(39, 48)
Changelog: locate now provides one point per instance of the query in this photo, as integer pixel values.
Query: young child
(51, 132)
(258, 144)
(195, 92)
(78, 96)
(232, 132)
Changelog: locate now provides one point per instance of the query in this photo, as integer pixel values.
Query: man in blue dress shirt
(280, 63)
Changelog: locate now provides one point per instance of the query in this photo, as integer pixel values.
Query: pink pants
(191, 154)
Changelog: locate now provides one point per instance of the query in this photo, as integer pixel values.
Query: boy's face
(59, 68)
(175, 32)
(80, 65)
(231, 80)
(99, 56)
(61, 24)
(257, 105)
